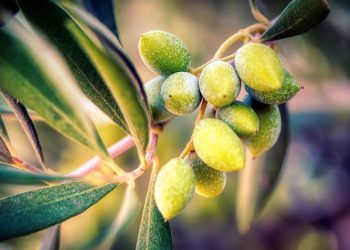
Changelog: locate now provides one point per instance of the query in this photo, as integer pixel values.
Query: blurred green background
(310, 209)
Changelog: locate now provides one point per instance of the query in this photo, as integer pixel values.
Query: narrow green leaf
(257, 182)
(11, 175)
(51, 240)
(51, 19)
(297, 18)
(27, 124)
(103, 10)
(112, 46)
(42, 83)
(128, 212)
(154, 232)
(32, 211)
(122, 86)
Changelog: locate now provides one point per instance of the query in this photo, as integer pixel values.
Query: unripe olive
(209, 182)
(155, 102)
(219, 83)
(269, 127)
(218, 146)
(289, 89)
(164, 53)
(180, 93)
(241, 118)
(259, 67)
(174, 187)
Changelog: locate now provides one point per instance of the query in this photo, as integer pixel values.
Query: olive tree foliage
(84, 56)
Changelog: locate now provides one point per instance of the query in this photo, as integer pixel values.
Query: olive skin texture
(159, 112)
(174, 187)
(219, 83)
(209, 182)
(259, 67)
(269, 127)
(241, 118)
(289, 89)
(180, 93)
(218, 146)
(164, 53)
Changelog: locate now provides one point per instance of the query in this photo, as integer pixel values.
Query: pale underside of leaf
(27, 124)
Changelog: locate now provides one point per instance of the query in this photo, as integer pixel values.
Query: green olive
(164, 53)
(259, 67)
(180, 93)
(218, 146)
(241, 118)
(289, 89)
(155, 102)
(174, 187)
(209, 182)
(219, 83)
(269, 127)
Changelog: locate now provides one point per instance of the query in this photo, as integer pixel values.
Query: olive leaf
(121, 80)
(50, 19)
(42, 83)
(103, 10)
(27, 124)
(32, 211)
(297, 18)
(51, 240)
(154, 232)
(112, 45)
(257, 182)
(11, 175)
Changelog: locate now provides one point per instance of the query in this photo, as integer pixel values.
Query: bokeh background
(310, 208)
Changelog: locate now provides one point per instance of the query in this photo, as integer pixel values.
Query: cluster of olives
(218, 138)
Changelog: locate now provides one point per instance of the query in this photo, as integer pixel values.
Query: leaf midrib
(35, 207)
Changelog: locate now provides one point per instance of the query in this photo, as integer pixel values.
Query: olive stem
(140, 170)
(199, 69)
(257, 13)
(114, 151)
(189, 146)
(239, 36)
